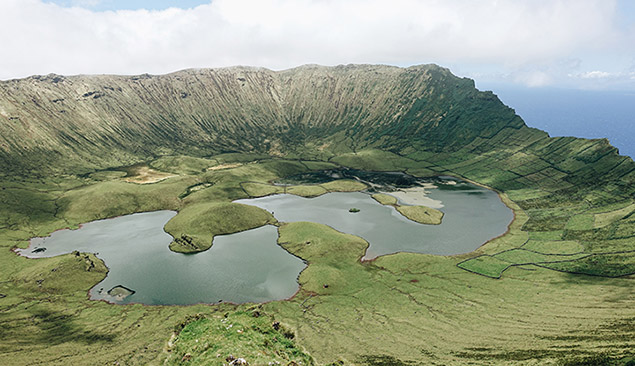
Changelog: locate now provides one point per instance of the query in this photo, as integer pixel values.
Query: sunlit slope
(51, 122)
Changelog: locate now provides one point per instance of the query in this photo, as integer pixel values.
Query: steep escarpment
(60, 123)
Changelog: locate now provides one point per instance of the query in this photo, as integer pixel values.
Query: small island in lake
(421, 214)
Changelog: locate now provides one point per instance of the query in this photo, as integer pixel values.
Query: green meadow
(556, 288)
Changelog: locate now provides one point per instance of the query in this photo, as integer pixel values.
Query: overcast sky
(588, 44)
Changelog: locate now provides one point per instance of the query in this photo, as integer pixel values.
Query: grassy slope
(423, 308)
(572, 199)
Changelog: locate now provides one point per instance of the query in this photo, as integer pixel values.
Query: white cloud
(86, 3)
(534, 79)
(596, 75)
(37, 37)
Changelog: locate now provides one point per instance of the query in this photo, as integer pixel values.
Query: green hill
(555, 289)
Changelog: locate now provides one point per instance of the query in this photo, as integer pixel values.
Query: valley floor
(556, 289)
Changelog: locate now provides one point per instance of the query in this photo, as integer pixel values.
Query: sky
(578, 44)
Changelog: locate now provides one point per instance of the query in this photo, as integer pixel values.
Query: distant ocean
(579, 113)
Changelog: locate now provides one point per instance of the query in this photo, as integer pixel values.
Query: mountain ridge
(188, 111)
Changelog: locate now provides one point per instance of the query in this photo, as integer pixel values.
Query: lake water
(250, 266)
(243, 267)
(473, 215)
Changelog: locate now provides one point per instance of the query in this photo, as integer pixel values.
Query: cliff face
(95, 121)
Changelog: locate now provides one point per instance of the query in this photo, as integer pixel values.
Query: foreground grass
(412, 308)
(253, 336)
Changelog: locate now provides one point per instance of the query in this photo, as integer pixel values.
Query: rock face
(74, 125)
(64, 123)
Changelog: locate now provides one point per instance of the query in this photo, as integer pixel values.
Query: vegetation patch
(146, 175)
(306, 190)
(375, 160)
(546, 235)
(194, 227)
(182, 164)
(485, 265)
(224, 166)
(421, 214)
(522, 256)
(580, 222)
(344, 185)
(115, 198)
(606, 218)
(195, 188)
(554, 247)
(385, 199)
(255, 189)
(606, 265)
(249, 337)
